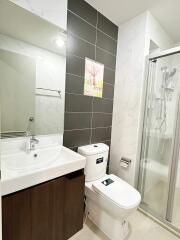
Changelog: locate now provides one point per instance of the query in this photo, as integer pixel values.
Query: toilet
(109, 199)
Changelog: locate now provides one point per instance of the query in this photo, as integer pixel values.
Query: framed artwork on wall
(94, 75)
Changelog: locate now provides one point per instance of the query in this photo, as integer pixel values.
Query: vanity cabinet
(50, 211)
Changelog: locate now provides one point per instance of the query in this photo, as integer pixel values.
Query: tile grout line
(82, 129)
(93, 97)
(92, 24)
(91, 120)
(75, 75)
(79, 94)
(83, 58)
(84, 40)
(83, 78)
(88, 112)
(102, 49)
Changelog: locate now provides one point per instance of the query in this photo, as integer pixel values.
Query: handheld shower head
(171, 74)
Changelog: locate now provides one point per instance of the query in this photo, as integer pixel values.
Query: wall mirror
(32, 73)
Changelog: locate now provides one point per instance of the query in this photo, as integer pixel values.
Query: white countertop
(67, 162)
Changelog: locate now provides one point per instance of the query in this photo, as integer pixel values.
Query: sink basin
(21, 169)
(35, 159)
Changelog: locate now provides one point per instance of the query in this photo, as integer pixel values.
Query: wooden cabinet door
(57, 209)
(41, 211)
(74, 203)
(47, 204)
(49, 211)
(16, 216)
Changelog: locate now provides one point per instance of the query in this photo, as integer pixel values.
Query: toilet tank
(96, 160)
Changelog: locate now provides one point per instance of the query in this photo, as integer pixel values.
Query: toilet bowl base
(115, 229)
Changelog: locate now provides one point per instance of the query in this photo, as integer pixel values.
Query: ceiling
(167, 12)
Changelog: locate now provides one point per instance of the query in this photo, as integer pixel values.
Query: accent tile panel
(101, 134)
(75, 65)
(105, 42)
(84, 10)
(88, 119)
(108, 91)
(80, 28)
(80, 48)
(107, 26)
(101, 120)
(78, 103)
(77, 121)
(77, 137)
(104, 57)
(102, 105)
(109, 76)
(74, 84)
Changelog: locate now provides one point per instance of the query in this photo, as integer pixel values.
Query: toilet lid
(118, 191)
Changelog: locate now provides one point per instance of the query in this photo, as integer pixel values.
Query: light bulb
(60, 42)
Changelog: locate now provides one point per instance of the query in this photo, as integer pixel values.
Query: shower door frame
(176, 145)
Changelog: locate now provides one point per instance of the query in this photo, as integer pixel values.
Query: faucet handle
(34, 140)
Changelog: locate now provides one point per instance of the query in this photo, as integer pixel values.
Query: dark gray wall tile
(80, 28)
(74, 84)
(84, 10)
(80, 48)
(77, 120)
(109, 75)
(108, 91)
(101, 134)
(78, 103)
(101, 120)
(102, 105)
(75, 65)
(76, 138)
(104, 57)
(79, 124)
(107, 26)
(105, 42)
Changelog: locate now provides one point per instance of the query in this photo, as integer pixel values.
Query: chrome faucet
(31, 140)
(33, 143)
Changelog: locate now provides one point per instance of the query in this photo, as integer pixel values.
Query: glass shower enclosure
(159, 175)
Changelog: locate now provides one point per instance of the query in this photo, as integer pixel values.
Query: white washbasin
(21, 169)
(36, 159)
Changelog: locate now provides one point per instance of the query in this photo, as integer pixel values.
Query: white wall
(54, 11)
(133, 45)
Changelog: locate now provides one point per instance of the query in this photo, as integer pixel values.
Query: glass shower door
(160, 126)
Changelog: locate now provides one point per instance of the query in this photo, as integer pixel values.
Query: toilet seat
(117, 191)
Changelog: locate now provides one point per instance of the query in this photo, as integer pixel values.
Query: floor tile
(141, 228)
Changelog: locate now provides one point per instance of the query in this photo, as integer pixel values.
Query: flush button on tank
(107, 182)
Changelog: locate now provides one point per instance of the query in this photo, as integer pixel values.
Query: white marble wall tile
(128, 85)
